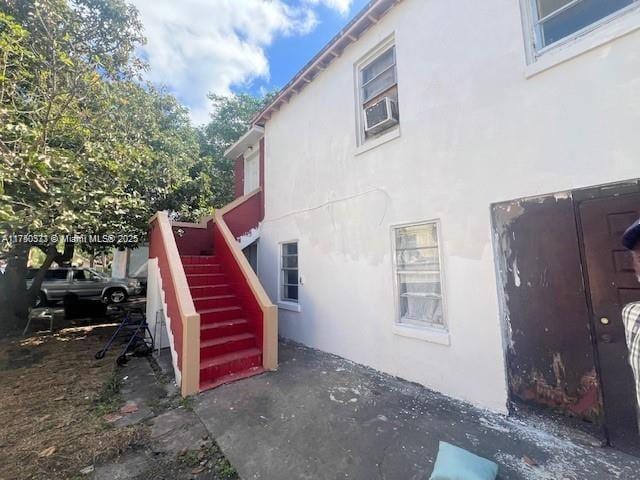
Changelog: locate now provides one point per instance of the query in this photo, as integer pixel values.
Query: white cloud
(199, 46)
(342, 6)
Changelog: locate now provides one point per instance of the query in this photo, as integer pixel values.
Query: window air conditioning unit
(381, 115)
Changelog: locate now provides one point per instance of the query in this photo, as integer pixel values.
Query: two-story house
(439, 194)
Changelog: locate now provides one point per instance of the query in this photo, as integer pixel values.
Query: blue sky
(225, 46)
(287, 55)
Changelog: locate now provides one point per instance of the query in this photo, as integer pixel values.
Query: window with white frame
(378, 93)
(289, 274)
(417, 270)
(555, 20)
(252, 171)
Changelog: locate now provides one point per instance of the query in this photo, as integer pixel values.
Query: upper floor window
(252, 171)
(418, 275)
(378, 93)
(555, 20)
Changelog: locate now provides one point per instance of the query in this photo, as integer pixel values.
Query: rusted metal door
(550, 355)
(611, 285)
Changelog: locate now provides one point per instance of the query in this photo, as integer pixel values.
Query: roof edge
(254, 134)
(367, 17)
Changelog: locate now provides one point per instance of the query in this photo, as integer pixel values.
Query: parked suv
(85, 283)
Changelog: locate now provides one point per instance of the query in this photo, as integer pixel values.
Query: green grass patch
(225, 470)
(109, 399)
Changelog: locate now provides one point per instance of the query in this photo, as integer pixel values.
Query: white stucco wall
(474, 130)
(156, 311)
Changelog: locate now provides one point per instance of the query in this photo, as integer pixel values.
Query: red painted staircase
(229, 349)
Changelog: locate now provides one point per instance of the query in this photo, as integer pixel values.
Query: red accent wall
(157, 250)
(245, 216)
(238, 177)
(194, 241)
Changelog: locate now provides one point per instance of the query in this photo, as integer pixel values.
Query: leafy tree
(81, 140)
(85, 146)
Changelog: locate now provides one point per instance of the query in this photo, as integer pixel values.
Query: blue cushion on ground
(455, 463)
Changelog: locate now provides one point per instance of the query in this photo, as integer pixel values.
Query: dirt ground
(53, 398)
(65, 415)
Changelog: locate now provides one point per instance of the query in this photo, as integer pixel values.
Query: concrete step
(198, 259)
(219, 314)
(215, 301)
(232, 377)
(222, 345)
(202, 279)
(190, 269)
(201, 291)
(220, 366)
(225, 328)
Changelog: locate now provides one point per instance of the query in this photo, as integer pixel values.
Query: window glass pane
(290, 249)
(56, 275)
(290, 293)
(422, 309)
(577, 17)
(545, 7)
(420, 298)
(418, 274)
(289, 261)
(80, 275)
(290, 277)
(379, 65)
(416, 236)
(419, 284)
(386, 80)
(418, 259)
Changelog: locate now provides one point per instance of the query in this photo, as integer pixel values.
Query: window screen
(418, 276)
(557, 19)
(379, 75)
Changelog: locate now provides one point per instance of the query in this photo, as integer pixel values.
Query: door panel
(56, 283)
(612, 284)
(84, 285)
(550, 358)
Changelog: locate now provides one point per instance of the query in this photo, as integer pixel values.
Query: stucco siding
(474, 131)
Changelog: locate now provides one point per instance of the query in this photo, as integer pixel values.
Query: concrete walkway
(322, 417)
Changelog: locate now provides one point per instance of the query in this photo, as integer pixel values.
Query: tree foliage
(86, 147)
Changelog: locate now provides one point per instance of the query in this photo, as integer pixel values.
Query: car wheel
(116, 295)
(41, 301)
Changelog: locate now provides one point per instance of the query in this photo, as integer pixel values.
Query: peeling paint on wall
(550, 357)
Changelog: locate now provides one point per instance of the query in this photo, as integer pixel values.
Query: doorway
(251, 252)
(565, 279)
(611, 284)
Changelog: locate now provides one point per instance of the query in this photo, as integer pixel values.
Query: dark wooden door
(612, 284)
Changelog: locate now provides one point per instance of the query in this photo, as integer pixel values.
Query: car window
(57, 274)
(81, 275)
(94, 274)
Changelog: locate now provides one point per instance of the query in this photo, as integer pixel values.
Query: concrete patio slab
(322, 417)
